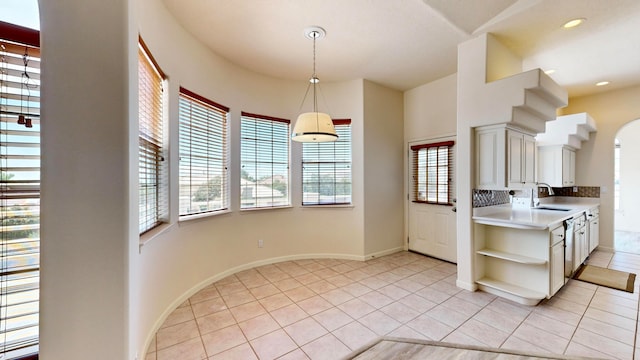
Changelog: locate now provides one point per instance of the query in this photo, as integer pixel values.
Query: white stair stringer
(495, 90)
(528, 99)
(568, 130)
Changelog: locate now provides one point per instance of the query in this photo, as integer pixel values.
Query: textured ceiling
(406, 43)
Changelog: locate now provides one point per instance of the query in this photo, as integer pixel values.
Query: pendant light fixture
(314, 126)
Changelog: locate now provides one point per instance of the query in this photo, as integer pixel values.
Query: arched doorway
(627, 188)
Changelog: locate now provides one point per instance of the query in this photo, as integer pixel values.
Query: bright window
(203, 155)
(432, 173)
(19, 190)
(152, 167)
(264, 153)
(326, 169)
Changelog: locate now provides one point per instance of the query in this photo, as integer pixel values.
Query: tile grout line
(375, 275)
(580, 321)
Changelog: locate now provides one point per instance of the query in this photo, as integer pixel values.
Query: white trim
(247, 210)
(328, 206)
(151, 234)
(605, 249)
(466, 285)
(446, 136)
(383, 253)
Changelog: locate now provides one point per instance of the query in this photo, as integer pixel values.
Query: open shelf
(511, 257)
(522, 295)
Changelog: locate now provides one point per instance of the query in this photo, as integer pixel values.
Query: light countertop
(533, 218)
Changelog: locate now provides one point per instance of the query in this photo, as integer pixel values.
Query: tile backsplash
(483, 198)
(583, 191)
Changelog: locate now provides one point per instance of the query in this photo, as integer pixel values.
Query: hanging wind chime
(22, 117)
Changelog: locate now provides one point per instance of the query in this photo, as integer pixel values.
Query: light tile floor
(326, 308)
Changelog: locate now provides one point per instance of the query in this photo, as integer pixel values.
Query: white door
(432, 227)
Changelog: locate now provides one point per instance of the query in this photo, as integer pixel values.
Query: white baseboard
(384, 253)
(467, 286)
(605, 249)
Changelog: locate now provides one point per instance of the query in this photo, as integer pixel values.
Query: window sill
(333, 206)
(431, 203)
(248, 210)
(155, 232)
(187, 218)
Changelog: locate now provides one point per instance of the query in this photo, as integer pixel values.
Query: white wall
(594, 161)
(383, 171)
(430, 110)
(626, 217)
(85, 247)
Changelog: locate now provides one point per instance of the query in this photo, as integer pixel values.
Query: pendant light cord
(314, 78)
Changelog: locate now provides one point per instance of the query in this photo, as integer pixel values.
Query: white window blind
(19, 191)
(203, 155)
(264, 153)
(433, 173)
(152, 168)
(326, 169)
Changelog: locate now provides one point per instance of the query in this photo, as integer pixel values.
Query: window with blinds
(433, 173)
(152, 167)
(19, 191)
(203, 155)
(326, 169)
(264, 154)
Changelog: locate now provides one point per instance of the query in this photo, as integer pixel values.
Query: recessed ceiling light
(602, 83)
(550, 71)
(573, 23)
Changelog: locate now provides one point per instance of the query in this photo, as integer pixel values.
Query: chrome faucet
(532, 202)
(549, 189)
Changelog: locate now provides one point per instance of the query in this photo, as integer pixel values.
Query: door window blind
(152, 168)
(203, 155)
(19, 192)
(326, 169)
(264, 153)
(433, 173)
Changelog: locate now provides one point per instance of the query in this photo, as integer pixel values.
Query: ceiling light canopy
(573, 23)
(314, 126)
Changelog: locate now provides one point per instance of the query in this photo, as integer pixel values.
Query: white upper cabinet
(557, 165)
(505, 158)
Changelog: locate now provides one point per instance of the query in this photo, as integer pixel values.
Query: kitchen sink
(550, 208)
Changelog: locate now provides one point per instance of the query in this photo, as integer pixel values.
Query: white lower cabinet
(580, 242)
(522, 265)
(557, 260)
(593, 220)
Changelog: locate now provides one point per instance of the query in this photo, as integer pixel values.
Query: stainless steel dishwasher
(568, 249)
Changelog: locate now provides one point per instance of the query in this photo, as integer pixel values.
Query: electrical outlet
(575, 189)
(260, 243)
